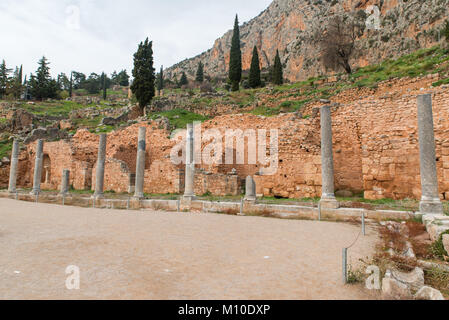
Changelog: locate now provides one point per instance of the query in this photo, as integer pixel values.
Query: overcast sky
(100, 35)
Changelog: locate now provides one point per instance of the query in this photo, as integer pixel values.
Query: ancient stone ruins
(362, 149)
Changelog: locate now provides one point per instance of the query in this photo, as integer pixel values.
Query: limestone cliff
(287, 25)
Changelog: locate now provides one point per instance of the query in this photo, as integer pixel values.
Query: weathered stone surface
(436, 230)
(393, 289)
(344, 193)
(414, 279)
(446, 243)
(428, 293)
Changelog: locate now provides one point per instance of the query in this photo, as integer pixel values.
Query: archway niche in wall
(46, 172)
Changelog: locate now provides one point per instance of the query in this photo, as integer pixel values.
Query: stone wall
(375, 151)
(217, 184)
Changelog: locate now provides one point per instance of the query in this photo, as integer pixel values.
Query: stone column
(65, 182)
(99, 179)
(38, 167)
(13, 169)
(327, 161)
(250, 194)
(131, 182)
(430, 202)
(140, 166)
(189, 190)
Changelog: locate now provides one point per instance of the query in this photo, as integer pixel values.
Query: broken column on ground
(65, 182)
(328, 199)
(99, 179)
(38, 167)
(250, 194)
(12, 188)
(189, 190)
(430, 201)
(140, 165)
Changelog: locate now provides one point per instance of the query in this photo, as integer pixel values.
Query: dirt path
(148, 255)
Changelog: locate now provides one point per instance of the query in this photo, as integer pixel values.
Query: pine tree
(235, 61)
(200, 73)
(254, 71)
(103, 83)
(160, 81)
(143, 73)
(4, 78)
(277, 76)
(183, 81)
(42, 85)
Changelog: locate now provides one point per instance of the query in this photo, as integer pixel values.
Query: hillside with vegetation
(176, 107)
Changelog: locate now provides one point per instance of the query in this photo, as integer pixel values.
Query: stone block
(428, 293)
(414, 279)
(446, 243)
(395, 290)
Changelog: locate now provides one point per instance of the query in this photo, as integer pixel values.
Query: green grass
(59, 108)
(284, 107)
(179, 118)
(5, 148)
(419, 63)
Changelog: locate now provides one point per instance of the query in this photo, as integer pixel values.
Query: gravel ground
(158, 255)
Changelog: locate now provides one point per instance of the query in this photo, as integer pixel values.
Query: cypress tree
(183, 81)
(160, 82)
(200, 73)
(143, 73)
(446, 30)
(278, 77)
(71, 85)
(235, 62)
(254, 71)
(105, 92)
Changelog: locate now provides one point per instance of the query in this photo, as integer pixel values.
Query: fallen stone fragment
(446, 243)
(414, 279)
(428, 293)
(395, 290)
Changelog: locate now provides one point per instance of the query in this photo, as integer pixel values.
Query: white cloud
(109, 31)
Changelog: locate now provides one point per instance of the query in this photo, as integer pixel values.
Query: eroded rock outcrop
(288, 25)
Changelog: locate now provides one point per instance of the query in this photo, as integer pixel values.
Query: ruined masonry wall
(375, 150)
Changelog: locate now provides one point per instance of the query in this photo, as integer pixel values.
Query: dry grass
(231, 211)
(439, 279)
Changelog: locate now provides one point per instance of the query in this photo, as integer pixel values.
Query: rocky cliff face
(288, 25)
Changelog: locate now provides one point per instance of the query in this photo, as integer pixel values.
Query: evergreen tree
(123, 78)
(63, 81)
(42, 86)
(71, 85)
(143, 73)
(25, 86)
(235, 62)
(105, 93)
(277, 76)
(183, 81)
(200, 73)
(160, 81)
(254, 71)
(446, 30)
(78, 80)
(16, 83)
(4, 76)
